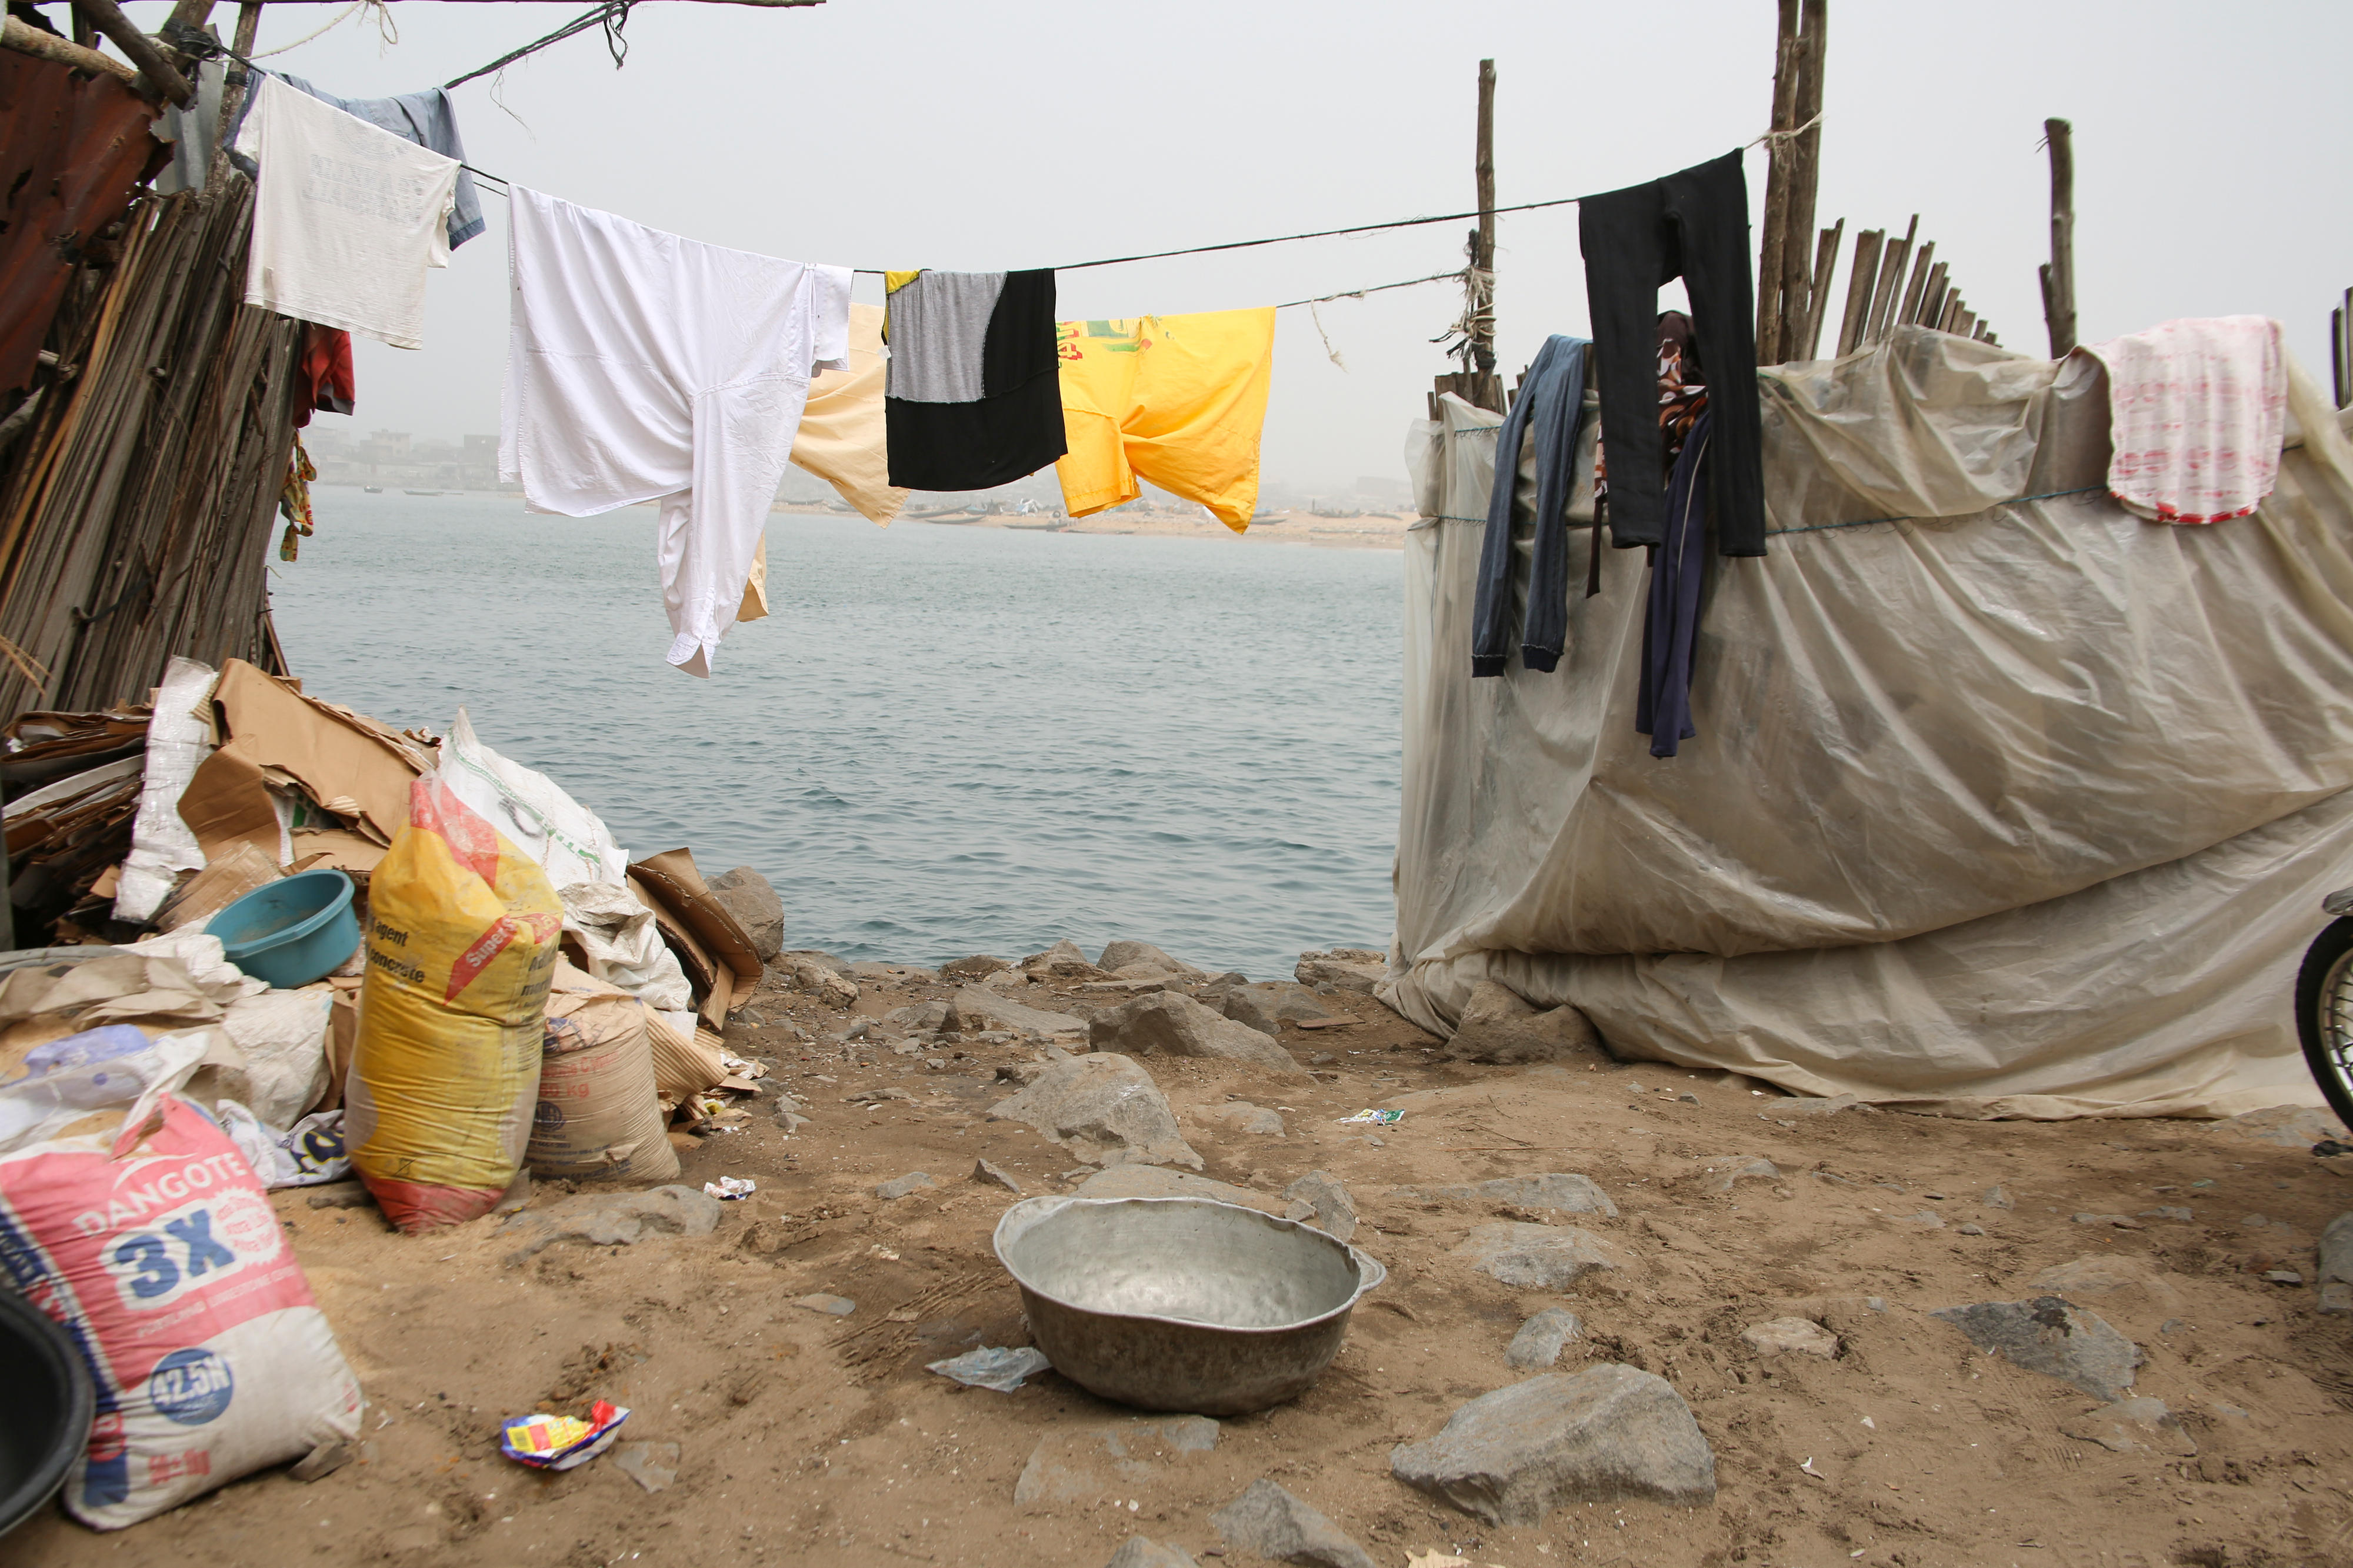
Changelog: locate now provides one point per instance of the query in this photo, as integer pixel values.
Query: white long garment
(641, 366)
(346, 217)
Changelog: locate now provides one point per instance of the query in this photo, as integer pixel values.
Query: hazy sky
(2211, 152)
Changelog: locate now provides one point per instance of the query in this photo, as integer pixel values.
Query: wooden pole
(84, 33)
(30, 40)
(140, 50)
(1482, 328)
(1891, 284)
(1805, 170)
(1779, 162)
(1863, 282)
(1818, 289)
(2059, 274)
(1923, 262)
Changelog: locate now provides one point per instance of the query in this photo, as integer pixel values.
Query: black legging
(1694, 225)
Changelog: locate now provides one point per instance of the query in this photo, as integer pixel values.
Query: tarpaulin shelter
(2003, 802)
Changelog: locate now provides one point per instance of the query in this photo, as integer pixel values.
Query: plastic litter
(727, 1188)
(547, 1441)
(994, 1368)
(1377, 1118)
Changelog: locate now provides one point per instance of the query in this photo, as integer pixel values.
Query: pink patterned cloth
(2196, 411)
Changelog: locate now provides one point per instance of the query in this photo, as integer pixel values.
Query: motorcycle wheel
(2323, 1015)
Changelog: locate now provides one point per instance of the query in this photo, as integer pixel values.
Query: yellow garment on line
(1177, 400)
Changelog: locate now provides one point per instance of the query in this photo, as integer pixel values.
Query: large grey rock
(1271, 1522)
(1800, 1336)
(1168, 1023)
(1123, 954)
(975, 1008)
(2050, 1335)
(1104, 1109)
(1153, 1182)
(1541, 1339)
(1136, 1552)
(745, 894)
(1560, 1191)
(1512, 1456)
(829, 986)
(2336, 1265)
(1498, 1027)
(919, 1018)
(614, 1219)
(900, 1186)
(2133, 1426)
(1323, 1198)
(1536, 1257)
(2286, 1126)
(1357, 969)
(1242, 1116)
(1265, 1007)
(1062, 959)
(974, 967)
(1092, 1463)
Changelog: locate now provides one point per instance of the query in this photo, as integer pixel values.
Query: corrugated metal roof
(72, 150)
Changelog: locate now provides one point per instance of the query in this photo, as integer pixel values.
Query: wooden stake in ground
(1477, 383)
(1862, 283)
(1817, 291)
(1483, 324)
(2059, 272)
(1799, 308)
(1778, 167)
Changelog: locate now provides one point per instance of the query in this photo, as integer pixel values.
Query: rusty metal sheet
(73, 148)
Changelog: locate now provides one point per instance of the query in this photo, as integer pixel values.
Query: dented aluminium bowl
(1182, 1303)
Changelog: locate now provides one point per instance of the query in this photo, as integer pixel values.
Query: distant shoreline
(1367, 531)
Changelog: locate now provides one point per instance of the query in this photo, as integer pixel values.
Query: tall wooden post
(1805, 148)
(1778, 168)
(1476, 383)
(2059, 272)
(1483, 329)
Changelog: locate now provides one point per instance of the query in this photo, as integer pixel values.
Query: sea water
(943, 740)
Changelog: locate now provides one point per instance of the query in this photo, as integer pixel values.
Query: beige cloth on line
(842, 441)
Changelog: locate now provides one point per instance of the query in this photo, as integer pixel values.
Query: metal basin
(1182, 1303)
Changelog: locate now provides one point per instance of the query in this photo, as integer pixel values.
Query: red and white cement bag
(162, 1258)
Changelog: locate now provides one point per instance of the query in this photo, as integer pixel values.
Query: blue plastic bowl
(295, 930)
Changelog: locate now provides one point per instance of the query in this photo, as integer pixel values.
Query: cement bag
(462, 943)
(147, 1237)
(598, 1114)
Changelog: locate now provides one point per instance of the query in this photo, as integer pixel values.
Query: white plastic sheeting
(2019, 809)
(178, 740)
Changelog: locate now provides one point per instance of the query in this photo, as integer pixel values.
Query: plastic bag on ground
(624, 946)
(135, 1223)
(462, 944)
(161, 844)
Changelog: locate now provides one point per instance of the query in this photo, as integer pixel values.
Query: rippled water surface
(943, 740)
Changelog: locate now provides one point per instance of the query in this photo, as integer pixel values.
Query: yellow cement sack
(462, 943)
(599, 1113)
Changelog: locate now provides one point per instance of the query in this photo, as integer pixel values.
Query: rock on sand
(1270, 1521)
(1124, 954)
(1535, 1257)
(1498, 1027)
(1512, 1456)
(1356, 969)
(1167, 1023)
(746, 895)
(1104, 1109)
(2053, 1337)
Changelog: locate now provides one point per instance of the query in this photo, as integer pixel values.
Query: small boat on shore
(423, 492)
(371, 489)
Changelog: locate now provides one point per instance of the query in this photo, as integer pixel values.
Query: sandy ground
(807, 1438)
(1367, 531)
